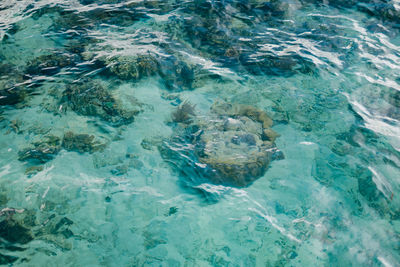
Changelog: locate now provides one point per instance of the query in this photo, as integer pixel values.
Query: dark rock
(172, 211)
(42, 151)
(276, 65)
(62, 227)
(12, 90)
(92, 99)
(81, 143)
(146, 144)
(183, 113)
(7, 260)
(176, 74)
(50, 64)
(13, 232)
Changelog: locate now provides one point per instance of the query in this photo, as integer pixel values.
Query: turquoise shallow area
(113, 73)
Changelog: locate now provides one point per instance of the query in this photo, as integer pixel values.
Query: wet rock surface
(232, 145)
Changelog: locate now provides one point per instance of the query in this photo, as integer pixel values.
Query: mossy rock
(233, 145)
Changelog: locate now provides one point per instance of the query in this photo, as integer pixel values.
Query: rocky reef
(18, 227)
(132, 67)
(233, 145)
(49, 64)
(47, 148)
(41, 151)
(81, 143)
(176, 74)
(89, 98)
(12, 90)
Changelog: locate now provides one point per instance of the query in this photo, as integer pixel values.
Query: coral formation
(81, 143)
(12, 90)
(18, 227)
(176, 73)
(49, 146)
(233, 145)
(132, 67)
(50, 63)
(90, 98)
(41, 151)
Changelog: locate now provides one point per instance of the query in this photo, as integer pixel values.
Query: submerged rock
(50, 63)
(132, 67)
(18, 227)
(11, 89)
(176, 73)
(11, 95)
(7, 259)
(13, 232)
(183, 113)
(81, 143)
(41, 151)
(33, 170)
(47, 149)
(232, 145)
(92, 99)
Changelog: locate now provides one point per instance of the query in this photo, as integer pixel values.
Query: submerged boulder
(175, 73)
(50, 63)
(13, 232)
(19, 227)
(90, 98)
(132, 67)
(81, 143)
(46, 149)
(12, 91)
(233, 145)
(41, 151)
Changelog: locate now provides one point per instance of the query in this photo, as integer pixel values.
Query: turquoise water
(129, 129)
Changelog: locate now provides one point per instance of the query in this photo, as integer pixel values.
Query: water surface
(88, 91)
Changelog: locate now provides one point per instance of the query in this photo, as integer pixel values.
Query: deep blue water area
(200, 133)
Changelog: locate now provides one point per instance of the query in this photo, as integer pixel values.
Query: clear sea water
(326, 72)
